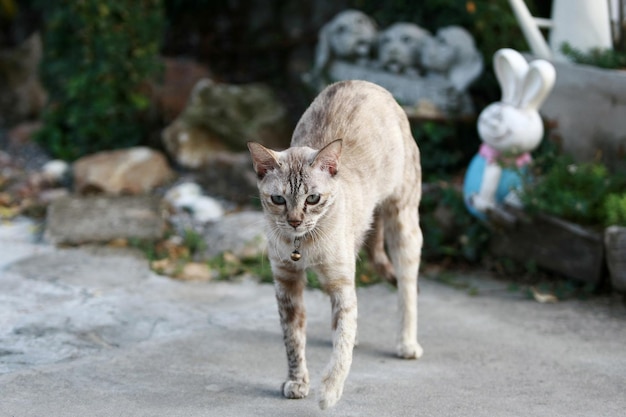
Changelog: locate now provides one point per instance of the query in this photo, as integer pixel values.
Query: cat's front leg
(289, 285)
(344, 323)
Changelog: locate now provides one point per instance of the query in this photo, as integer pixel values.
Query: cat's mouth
(300, 233)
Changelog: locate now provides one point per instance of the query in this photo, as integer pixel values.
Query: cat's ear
(327, 159)
(263, 159)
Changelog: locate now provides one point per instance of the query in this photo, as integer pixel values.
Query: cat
(352, 163)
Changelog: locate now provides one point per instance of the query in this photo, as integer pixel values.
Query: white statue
(510, 129)
(584, 24)
(429, 75)
(400, 48)
(349, 36)
(452, 55)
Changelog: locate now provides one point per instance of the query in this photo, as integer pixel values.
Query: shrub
(602, 58)
(450, 231)
(98, 57)
(615, 210)
(584, 193)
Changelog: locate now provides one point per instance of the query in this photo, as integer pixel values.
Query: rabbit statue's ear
(537, 84)
(510, 67)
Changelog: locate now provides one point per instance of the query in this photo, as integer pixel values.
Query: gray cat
(352, 164)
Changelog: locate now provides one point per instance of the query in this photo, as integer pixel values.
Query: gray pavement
(92, 332)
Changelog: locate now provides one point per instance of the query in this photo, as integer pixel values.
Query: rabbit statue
(510, 129)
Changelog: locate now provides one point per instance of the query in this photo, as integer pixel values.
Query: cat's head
(297, 186)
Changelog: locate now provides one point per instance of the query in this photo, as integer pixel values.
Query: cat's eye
(313, 199)
(278, 199)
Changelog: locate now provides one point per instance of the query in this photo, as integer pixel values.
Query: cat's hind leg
(404, 242)
(375, 247)
(289, 285)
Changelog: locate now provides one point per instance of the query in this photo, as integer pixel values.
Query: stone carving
(422, 71)
(452, 56)
(349, 36)
(510, 129)
(400, 48)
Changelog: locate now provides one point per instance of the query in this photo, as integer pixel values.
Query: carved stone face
(351, 34)
(400, 46)
(438, 55)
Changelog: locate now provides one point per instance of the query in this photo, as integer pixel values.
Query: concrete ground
(92, 332)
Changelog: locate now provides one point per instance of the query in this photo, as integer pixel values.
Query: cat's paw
(410, 350)
(328, 395)
(295, 389)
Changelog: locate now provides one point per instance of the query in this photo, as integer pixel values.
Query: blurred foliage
(584, 193)
(614, 208)
(603, 58)
(8, 9)
(449, 230)
(98, 59)
(446, 147)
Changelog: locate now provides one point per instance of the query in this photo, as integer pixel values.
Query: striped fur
(353, 151)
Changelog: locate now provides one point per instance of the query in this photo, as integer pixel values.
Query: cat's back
(347, 110)
(375, 130)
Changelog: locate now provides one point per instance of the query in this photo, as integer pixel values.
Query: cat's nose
(294, 223)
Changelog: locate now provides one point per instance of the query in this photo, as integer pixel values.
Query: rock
(190, 146)
(21, 146)
(242, 234)
(127, 171)
(552, 243)
(195, 271)
(178, 80)
(230, 175)
(55, 171)
(615, 246)
(188, 196)
(225, 116)
(74, 220)
(206, 209)
(22, 96)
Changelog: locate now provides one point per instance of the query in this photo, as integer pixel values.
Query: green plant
(584, 193)
(615, 209)
(444, 147)
(603, 58)
(194, 241)
(449, 230)
(98, 59)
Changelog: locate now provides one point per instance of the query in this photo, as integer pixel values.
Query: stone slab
(560, 246)
(74, 220)
(615, 243)
(242, 234)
